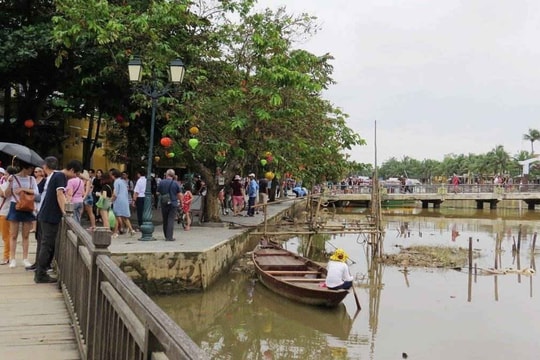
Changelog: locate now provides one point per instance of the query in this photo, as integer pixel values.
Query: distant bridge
(435, 194)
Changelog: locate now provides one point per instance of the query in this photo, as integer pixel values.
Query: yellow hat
(339, 255)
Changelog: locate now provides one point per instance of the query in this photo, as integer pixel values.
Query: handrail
(112, 316)
(396, 188)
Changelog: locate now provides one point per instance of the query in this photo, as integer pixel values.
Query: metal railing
(112, 317)
(434, 189)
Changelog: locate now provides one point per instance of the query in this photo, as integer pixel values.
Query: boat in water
(294, 277)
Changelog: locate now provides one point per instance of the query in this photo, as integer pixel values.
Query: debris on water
(404, 355)
(429, 256)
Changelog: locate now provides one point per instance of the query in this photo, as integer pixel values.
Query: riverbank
(198, 257)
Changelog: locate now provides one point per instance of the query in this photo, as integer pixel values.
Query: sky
(437, 77)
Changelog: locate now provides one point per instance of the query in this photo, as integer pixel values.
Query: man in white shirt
(138, 195)
(338, 275)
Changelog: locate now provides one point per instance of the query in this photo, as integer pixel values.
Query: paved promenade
(35, 320)
(199, 238)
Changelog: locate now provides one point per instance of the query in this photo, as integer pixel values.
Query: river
(415, 313)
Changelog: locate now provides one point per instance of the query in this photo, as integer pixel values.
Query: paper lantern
(29, 123)
(269, 175)
(269, 158)
(193, 130)
(157, 158)
(193, 143)
(170, 155)
(263, 162)
(166, 142)
(124, 124)
(267, 154)
(119, 118)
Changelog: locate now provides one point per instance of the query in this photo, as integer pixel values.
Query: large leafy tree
(28, 75)
(248, 92)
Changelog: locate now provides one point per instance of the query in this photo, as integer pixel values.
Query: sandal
(4, 262)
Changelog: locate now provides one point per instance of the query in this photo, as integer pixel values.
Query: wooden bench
(292, 272)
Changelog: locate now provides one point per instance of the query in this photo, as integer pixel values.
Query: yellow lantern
(193, 130)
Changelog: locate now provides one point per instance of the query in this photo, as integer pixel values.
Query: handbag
(25, 201)
(166, 198)
(104, 203)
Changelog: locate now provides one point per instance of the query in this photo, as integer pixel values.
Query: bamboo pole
(470, 254)
(519, 239)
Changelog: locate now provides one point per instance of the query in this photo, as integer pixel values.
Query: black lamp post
(154, 91)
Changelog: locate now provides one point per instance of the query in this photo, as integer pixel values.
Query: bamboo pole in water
(519, 239)
(534, 242)
(470, 253)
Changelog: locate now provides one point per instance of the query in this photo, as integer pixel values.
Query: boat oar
(356, 298)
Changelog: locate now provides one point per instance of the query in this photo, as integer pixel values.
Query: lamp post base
(147, 229)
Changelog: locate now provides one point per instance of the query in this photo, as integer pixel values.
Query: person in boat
(338, 275)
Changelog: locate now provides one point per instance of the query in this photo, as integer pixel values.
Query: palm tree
(533, 135)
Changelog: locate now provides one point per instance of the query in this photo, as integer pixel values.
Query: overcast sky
(439, 77)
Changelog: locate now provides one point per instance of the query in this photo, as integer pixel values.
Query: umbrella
(21, 152)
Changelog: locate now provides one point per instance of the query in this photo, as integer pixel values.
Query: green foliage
(496, 161)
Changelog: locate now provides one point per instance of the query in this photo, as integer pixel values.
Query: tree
(532, 136)
(247, 91)
(28, 75)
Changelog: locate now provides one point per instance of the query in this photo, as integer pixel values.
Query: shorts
(89, 200)
(19, 216)
(238, 200)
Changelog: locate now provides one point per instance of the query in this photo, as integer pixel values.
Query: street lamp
(154, 91)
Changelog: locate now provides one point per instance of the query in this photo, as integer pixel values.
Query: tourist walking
(96, 191)
(39, 175)
(170, 196)
(51, 212)
(75, 191)
(104, 199)
(21, 182)
(88, 202)
(121, 200)
(263, 193)
(139, 195)
(187, 199)
(253, 191)
(4, 209)
(238, 198)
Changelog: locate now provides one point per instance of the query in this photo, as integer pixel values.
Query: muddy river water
(407, 312)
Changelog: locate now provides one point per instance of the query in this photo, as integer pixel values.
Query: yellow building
(76, 131)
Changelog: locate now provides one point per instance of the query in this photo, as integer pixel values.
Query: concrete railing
(112, 317)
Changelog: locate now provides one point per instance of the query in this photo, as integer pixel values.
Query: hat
(2, 170)
(236, 177)
(251, 175)
(339, 255)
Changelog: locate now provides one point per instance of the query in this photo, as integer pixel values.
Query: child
(186, 204)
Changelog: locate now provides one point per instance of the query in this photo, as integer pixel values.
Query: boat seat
(292, 272)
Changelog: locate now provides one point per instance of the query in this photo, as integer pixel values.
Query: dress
(121, 203)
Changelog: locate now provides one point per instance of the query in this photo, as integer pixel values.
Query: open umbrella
(21, 152)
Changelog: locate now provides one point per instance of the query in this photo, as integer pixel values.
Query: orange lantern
(193, 130)
(157, 158)
(29, 123)
(166, 142)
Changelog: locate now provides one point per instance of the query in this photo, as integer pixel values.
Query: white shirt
(337, 273)
(140, 186)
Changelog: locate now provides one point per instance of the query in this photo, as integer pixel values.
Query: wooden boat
(294, 277)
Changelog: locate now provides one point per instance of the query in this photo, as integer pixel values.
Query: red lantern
(166, 142)
(119, 118)
(29, 123)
